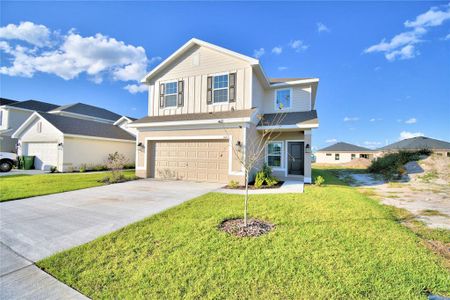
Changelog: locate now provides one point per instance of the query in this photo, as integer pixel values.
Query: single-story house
(68, 143)
(439, 147)
(342, 153)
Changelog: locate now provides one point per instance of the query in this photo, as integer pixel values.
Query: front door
(296, 158)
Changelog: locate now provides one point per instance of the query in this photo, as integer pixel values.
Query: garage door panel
(191, 160)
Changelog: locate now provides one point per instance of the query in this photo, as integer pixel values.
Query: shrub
(265, 177)
(115, 162)
(53, 169)
(129, 166)
(233, 184)
(99, 168)
(83, 168)
(391, 165)
(319, 180)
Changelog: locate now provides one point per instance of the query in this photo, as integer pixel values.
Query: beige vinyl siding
(79, 151)
(258, 93)
(300, 99)
(195, 82)
(344, 157)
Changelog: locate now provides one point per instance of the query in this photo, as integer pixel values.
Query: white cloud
(375, 119)
(282, 68)
(322, 27)
(72, 54)
(431, 18)
(408, 135)
(257, 53)
(411, 121)
(331, 141)
(298, 45)
(277, 50)
(136, 88)
(403, 45)
(351, 119)
(37, 35)
(447, 37)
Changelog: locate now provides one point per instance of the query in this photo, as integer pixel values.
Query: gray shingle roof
(34, 105)
(68, 125)
(4, 101)
(293, 118)
(88, 110)
(199, 116)
(344, 147)
(418, 143)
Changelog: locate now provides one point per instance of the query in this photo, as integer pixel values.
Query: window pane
(171, 88)
(274, 161)
(274, 148)
(221, 95)
(283, 99)
(220, 81)
(171, 100)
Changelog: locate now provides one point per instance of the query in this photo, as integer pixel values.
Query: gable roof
(418, 143)
(76, 126)
(87, 110)
(4, 101)
(283, 80)
(192, 42)
(124, 118)
(34, 105)
(344, 147)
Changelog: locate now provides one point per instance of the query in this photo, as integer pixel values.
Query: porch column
(307, 158)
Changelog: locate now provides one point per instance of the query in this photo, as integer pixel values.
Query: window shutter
(161, 95)
(232, 87)
(180, 93)
(209, 90)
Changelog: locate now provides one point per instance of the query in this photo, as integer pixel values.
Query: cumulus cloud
(322, 27)
(331, 141)
(375, 119)
(136, 88)
(277, 50)
(257, 53)
(351, 119)
(282, 68)
(298, 45)
(72, 54)
(411, 121)
(34, 34)
(404, 45)
(408, 135)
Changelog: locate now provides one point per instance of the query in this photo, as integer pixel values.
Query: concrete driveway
(34, 228)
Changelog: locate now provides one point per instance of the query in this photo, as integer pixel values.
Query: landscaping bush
(83, 168)
(265, 177)
(233, 184)
(116, 162)
(391, 165)
(319, 180)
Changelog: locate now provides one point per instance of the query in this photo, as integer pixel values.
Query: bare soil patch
(254, 227)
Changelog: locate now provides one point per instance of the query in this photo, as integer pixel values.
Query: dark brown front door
(295, 158)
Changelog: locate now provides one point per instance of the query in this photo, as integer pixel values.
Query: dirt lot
(424, 191)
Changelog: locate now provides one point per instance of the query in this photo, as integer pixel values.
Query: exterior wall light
(307, 148)
(141, 146)
(238, 144)
(60, 145)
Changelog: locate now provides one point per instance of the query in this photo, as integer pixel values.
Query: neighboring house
(124, 123)
(204, 99)
(439, 147)
(12, 114)
(68, 143)
(342, 153)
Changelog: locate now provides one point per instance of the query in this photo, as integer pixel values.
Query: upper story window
(170, 95)
(220, 88)
(282, 99)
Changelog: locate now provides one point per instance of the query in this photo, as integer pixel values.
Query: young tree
(251, 152)
(116, 162)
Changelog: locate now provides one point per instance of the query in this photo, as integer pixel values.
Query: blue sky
(371, 91)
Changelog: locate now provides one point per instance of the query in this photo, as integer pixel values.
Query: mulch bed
(254, 227)
(252, 187)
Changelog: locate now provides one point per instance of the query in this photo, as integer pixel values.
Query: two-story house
(203, 100)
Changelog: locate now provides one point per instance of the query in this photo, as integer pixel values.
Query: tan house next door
(197, 160)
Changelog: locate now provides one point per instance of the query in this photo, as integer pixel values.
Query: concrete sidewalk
(34, 228)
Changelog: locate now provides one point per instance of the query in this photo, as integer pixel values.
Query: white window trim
(225, 88)
(286, 153)
(176, 95)
(275, 100)
(281, 167)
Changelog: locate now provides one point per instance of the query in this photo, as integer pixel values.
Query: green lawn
(22, 186)
(330, 242)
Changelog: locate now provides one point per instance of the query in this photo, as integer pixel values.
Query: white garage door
(46, 154)
(202, 160)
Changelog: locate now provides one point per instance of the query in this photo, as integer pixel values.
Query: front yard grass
(23, 186)
(330, 242)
